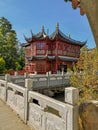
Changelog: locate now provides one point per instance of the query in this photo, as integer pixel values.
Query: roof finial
(31, 33)
(57, 26)
(42, 28)
(25, 38)
(69, 35)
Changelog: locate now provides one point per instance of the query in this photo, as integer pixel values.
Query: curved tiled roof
(40, 57)
(51, 57)
(66, 58)
(25, 44)
(57, 34)
(39, 36)
(61, 36)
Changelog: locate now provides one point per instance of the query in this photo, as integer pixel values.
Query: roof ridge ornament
(31, 33)
(69, 35)
(25, 37)
(57, 26)
(43, 28)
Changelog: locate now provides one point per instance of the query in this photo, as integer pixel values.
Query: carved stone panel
(16, 102)
(20, 106)
(2, 93)
(53, 122)
(35, 116)
(10, 97)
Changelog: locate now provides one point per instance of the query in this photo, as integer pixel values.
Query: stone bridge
(38, 111)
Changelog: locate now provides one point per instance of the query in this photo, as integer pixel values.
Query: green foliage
(86, 75)
(21, 57)
(5, 26)
(2, 65)
(10, 51)
(9, 45)
(18, 66)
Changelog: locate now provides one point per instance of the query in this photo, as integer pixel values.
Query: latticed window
(40, 67)
(40, 51)
(33, 67)
(53, 47)
(60, 47)
(40, 45)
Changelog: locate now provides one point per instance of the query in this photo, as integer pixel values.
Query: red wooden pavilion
(53, 53)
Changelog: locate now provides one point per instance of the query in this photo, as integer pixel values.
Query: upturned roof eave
(58, 36)
(69, 42)
(25, 44)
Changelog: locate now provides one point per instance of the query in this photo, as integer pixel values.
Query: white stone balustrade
(39, 111)
(41, 81)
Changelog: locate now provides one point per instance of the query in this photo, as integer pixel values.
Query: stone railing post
(48, 79)
(71, 98)
(28, 87)
(63, 79)
(7, 79)
(25, 75)
(15, 73)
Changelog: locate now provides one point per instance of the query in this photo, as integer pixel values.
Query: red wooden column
(56, 56)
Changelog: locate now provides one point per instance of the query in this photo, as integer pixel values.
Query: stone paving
(9, 120)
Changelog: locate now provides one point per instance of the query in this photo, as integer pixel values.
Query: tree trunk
(91, 9)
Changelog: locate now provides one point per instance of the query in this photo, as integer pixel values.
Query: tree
(10, 51)
(86, 75)
(8, 44)
(2, 65)
(86, 5)
(21, 58)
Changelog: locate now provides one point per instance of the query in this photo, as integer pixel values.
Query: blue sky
(27, 15)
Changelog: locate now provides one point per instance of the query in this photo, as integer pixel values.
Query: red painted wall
(49, 48)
